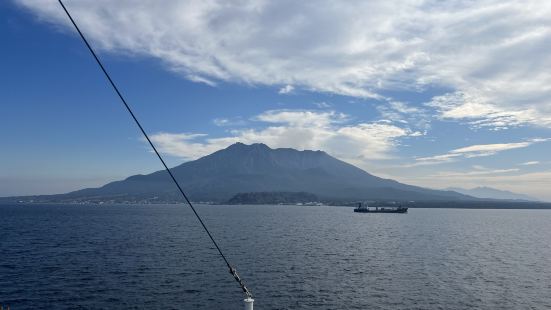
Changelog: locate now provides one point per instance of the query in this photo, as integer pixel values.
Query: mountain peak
(262, 146)
(240, 145)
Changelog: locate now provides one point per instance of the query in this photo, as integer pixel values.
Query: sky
(431, 93)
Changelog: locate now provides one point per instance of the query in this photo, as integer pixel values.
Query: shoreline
(413, 205)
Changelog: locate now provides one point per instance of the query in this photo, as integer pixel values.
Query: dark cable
(232, 270)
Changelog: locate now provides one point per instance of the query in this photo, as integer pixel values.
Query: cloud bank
(492, 55)
(300, 129)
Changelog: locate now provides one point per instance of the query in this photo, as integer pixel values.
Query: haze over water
(291, 257)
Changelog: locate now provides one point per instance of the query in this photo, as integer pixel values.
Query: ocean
(291, 257)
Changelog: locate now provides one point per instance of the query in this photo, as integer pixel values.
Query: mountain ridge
(486, 192)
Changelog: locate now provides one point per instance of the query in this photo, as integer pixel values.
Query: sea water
(291, 257)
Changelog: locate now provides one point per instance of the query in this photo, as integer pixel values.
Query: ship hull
(402, 210)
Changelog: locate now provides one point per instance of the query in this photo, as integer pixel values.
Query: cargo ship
(364, 208)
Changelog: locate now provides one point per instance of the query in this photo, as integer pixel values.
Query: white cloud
(480, 112)
(287, 89)
(471, 151)
(492, 54)
(302, 117)
(226, 122)
(184, 145)
(530, 163)
(301, 129)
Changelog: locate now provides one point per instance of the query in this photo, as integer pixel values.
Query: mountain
(491, 193)
(253, 168)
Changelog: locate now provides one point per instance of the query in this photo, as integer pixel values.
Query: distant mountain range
(254, 168)
(492, 193)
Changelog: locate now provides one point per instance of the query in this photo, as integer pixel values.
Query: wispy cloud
(227, 122)
(401, 112)
(471, 151)
(302, 129)
(301, 118)
(322, 104)
(493, 55)
(490, 149)
(530, 163)
(470, 174)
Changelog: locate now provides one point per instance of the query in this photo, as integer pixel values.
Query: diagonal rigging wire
(232, 270)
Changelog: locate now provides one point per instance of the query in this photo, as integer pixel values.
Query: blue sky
(428, 93)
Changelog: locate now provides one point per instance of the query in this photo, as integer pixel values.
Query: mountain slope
(244, 168)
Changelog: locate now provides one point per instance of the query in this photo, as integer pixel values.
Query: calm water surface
(126, 257)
